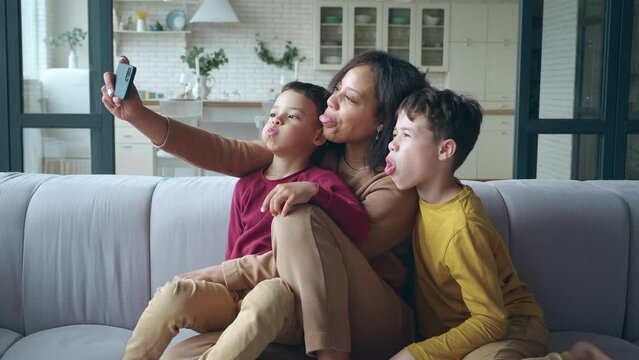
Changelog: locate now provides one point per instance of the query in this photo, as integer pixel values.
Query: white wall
(557, 87)
(159, 66)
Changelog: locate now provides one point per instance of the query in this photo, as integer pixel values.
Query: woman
(347, 295)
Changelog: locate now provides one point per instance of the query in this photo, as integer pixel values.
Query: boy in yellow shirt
(469, 301)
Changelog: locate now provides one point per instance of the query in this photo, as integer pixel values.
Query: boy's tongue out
(390, 167)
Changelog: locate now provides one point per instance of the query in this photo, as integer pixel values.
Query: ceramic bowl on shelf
(331, 59)
(175, 20)
(332, 19)
(363, 19)
(399, 20)
(430, 20)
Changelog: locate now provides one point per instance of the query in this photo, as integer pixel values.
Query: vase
(202, 88)
(140, 25)
(72, 60)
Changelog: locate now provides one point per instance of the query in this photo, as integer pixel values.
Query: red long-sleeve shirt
(250, 229)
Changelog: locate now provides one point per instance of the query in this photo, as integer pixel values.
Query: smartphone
(124, 75)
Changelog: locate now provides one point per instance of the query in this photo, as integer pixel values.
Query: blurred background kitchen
(245, 50)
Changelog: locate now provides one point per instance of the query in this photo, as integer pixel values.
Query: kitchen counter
(218, 103)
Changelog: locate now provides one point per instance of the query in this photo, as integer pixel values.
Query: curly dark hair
(395, 79)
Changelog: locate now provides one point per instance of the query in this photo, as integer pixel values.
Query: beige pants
(527, 338)
(342, 303)
(264, 315)
(346, 305)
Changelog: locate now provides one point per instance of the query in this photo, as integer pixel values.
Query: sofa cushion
(7, 338)
(575, 265)
(16, 191)
(75, 342)
(86, 247)
(189, 225)
(629, 192)
(614, 347)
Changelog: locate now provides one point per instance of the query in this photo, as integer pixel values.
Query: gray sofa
(80, 256)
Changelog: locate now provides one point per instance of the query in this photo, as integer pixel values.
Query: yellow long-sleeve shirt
(466, 285)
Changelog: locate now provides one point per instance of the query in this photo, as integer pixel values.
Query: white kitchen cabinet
(364, 28)
(467, 69)
(468, 21)
(503, 20)
(399, 31)
(415, 32)
(432, 37)
(468, 170)
(330, 35)
(483, 52)
(492, 156)
(134, 153)
(495, 148)
(501, 73)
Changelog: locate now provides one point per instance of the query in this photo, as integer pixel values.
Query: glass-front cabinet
(365, 28)
(399, 35)
(330, 35)
(415, 32)
(432, 37)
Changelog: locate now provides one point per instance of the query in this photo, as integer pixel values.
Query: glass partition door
(577, 93)
(57, 123)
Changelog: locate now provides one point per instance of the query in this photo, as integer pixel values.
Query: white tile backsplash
(157, 56)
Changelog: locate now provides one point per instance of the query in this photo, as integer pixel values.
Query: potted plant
(73, 39)
(203, 63)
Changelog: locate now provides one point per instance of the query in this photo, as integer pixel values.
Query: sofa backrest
(189, 225)
(569, 241)
(629, 192)
(86, 251)
(15, 194)
(92, 249)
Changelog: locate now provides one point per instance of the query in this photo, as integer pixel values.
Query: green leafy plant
(291, 53)
(73, 38)
(208, 62)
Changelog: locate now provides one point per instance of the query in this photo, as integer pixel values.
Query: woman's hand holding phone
(122, 109)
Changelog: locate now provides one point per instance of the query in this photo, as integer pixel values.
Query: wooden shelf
(161, 1)
(165, 32)
(216, 103)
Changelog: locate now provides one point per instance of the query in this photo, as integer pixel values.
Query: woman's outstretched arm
(197, 146)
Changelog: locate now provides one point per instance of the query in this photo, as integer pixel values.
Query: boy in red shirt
(200, 302)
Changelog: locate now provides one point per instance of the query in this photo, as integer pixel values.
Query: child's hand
(403, 355)
(122, 109)
(212, 273)
(284, 196)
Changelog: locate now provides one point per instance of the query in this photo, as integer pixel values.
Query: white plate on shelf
(176, 20)
(331, 59)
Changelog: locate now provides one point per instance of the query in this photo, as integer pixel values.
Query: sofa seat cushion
(7, 338)
(74, 342)
(616, 348)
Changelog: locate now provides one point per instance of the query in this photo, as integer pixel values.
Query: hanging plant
(291, 54)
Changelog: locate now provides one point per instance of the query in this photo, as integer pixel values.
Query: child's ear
(319, 138)
(447, 149)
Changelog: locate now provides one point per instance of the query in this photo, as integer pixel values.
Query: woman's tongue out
(327, 121)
